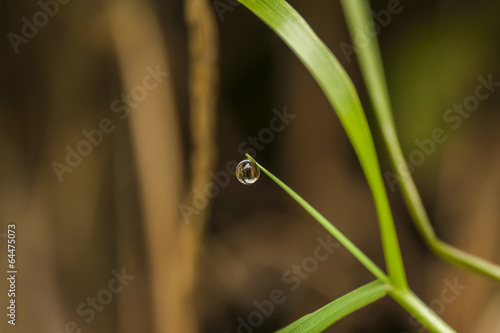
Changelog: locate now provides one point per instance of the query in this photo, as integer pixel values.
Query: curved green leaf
(324, 317)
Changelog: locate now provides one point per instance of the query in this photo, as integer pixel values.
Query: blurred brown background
(132, 232)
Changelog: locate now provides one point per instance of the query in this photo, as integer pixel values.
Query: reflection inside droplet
(247, 172)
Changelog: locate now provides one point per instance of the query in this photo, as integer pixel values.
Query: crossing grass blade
(404, 296)
(346, 242)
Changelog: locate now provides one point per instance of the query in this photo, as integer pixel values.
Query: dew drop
(247, 172)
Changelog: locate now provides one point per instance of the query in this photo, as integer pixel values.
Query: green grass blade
(358, 15)
(324, 317)
(425, 315)
(355, 251)
(341, 93)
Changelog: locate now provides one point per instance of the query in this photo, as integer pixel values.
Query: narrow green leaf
(355, 251)
(341, 93)
(324, 317)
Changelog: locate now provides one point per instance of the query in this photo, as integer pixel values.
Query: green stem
(464, 259)
(417, 308)
(390, 244)
(358, 16)
(355, 251)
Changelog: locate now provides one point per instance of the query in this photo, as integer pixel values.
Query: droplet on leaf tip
(247, 172)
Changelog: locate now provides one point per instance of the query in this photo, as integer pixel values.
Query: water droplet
(247, 172)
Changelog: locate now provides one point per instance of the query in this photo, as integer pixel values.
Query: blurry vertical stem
(358, 15)
(156, 140)
(203, 85)
(342, 95)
